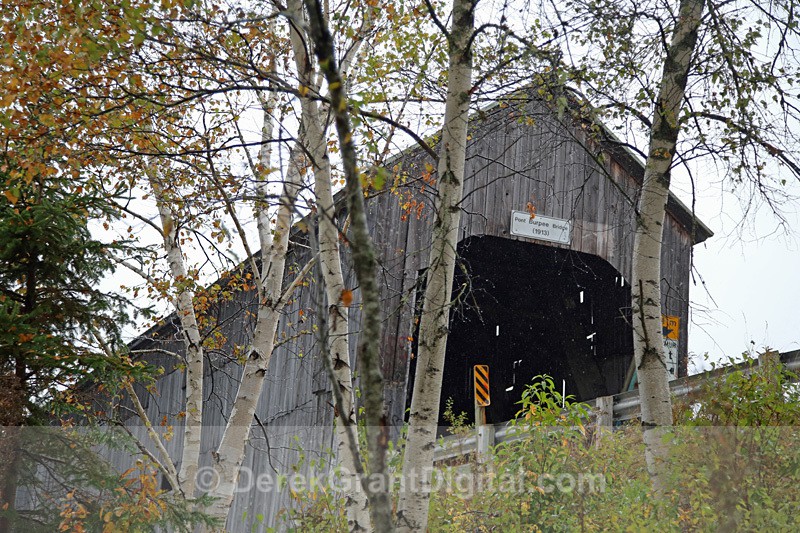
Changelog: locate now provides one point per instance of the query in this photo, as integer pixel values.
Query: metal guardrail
(625, 406)
(456, 446)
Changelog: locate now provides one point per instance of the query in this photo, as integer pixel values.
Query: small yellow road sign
(670, 325)
(670, 330)
(482, 385)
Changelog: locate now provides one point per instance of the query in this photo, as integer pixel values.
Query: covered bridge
(536, 294)
(545, 247)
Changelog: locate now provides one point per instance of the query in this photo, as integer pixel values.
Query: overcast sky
(750, 269)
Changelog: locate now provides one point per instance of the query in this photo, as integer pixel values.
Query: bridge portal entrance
(527, 309)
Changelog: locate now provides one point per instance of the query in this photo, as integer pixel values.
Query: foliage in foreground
(735, 466)
(52, 314)
(66, 485)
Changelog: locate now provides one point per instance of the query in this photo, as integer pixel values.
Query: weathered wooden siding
(294, 413)
(519, 153)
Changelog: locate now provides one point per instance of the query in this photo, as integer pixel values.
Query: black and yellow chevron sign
(482, 385)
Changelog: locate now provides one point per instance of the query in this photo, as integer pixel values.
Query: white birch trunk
(262, 174)
(365, 265)
(184, 303)
(229, 455)
(338, 334)
(651, 368)
(330, 264)
(412, 511)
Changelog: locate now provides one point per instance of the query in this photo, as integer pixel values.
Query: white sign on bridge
(541, 227)
(670, 329)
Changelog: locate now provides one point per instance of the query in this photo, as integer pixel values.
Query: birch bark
(376, 486)
(229, 455)
(263, 224)
(337, 351)
(184, 304)
(412, 512)
(654, 390)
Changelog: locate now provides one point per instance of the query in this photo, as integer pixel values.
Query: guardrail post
(604, 420)
(484, 437)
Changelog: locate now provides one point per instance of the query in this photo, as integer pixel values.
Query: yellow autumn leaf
(11, 197)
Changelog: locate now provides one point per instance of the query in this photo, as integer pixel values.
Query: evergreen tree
(50, 269)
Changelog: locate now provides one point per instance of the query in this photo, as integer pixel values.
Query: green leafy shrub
(735, 466)
(736, 454)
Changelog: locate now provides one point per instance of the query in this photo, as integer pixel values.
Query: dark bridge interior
(526, 309)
